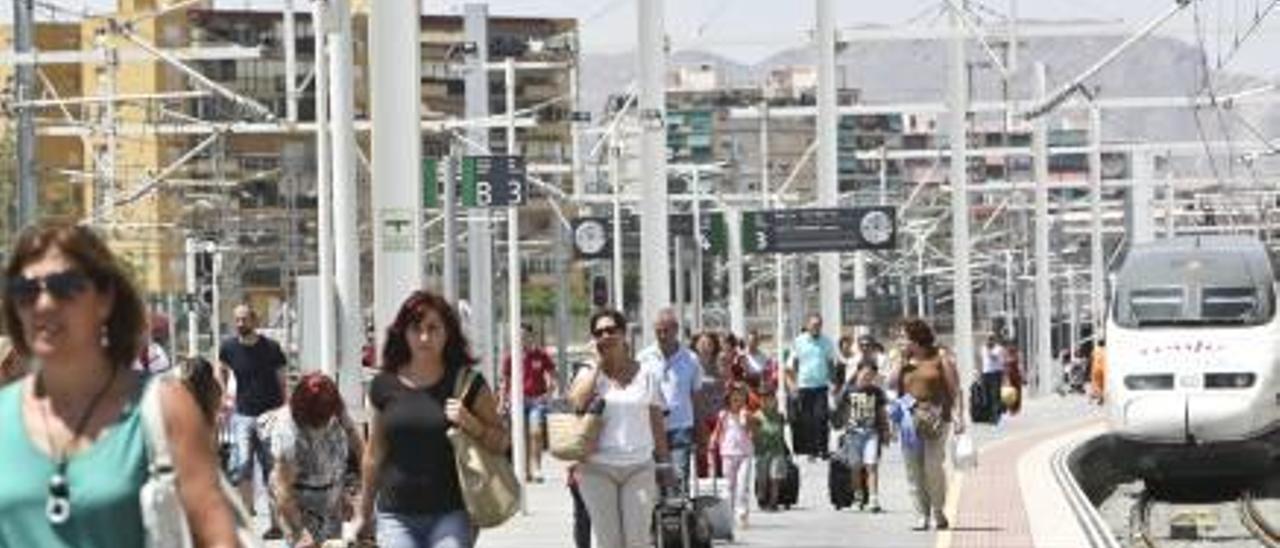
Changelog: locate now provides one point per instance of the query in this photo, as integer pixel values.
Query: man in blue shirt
(681, 381)
(808, 377)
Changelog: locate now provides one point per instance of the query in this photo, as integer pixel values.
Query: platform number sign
(494, 181)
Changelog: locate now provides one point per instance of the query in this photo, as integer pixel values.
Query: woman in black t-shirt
(408, 468)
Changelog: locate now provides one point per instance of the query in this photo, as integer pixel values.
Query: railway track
(1251, 519)
(1118, 511)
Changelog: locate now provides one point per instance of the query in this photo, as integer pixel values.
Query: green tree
(538, 304)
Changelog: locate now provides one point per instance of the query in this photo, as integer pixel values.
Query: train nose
(1157, 417)
(1220, 417)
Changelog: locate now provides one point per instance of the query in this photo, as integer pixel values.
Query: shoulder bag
(571, 434)
(163, 517)
(487, 480)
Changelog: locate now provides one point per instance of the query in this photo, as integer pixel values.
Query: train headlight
(1149, 382)
(1229, 380)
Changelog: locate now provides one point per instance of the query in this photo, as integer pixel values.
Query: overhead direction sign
(593, 236)
(819, 230)
(713, 236)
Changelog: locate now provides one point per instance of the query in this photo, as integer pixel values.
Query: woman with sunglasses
(618, 481)
(74, 426)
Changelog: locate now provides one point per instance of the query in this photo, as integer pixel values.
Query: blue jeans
(680, 445)
(451, 530)
(247, 445)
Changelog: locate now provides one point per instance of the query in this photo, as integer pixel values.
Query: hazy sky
(749, 30)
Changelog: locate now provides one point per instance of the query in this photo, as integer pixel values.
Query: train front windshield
(1204, 290)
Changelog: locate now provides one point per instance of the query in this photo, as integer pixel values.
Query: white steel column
(394, 103)
(1141, 223)
(24, 32)
(1073, 310)
(193, 294)
(290, 63)
(513, 295)
(655, 287)
(962, 287)
(827, 184)
(1044, 299)
(575, 129)
(699, 258)
(479, 234)
(1170, 198)
(779, 317)
(215, 291)
(615, 176)
(324, 193)
(737, 308)
(449, 210)
(1097, 266)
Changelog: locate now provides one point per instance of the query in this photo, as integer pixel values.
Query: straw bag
(487, 480)
(571, 436)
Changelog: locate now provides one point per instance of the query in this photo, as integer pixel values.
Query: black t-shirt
(418, 474)
(257, 370)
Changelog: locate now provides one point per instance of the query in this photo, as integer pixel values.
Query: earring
(103, 339)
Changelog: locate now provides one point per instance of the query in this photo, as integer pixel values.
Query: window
(1156, 304)
(1233, 303)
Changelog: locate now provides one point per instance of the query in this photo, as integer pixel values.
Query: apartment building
(170, 160)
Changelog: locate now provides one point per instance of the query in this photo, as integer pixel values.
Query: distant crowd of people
(711, 405)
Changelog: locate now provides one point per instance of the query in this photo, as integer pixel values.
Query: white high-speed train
(1193, 359)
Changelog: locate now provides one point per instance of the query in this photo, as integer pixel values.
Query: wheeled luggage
(840, 484)
(678, 524)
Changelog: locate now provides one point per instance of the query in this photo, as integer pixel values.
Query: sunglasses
(61, 286)
(605, 331)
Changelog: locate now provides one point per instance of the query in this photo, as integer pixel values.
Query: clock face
(590, 237)
(877, 228)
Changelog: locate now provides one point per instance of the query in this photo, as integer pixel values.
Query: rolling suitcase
(716, 510)
(678, 524)
(789, 491)
(840, 484)
(979, 403)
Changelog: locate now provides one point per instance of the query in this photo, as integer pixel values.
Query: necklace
(58, 507)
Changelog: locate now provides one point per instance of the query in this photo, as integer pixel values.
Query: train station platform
(1011, 499)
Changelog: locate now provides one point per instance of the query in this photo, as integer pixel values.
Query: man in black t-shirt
(259, 368)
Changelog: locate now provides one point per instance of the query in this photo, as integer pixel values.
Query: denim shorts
(860, 447)
(247, 445)
(535, 412)
(451, 530)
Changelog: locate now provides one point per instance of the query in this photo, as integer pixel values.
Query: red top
(537, 365)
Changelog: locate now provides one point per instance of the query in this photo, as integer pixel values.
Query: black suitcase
(979, 403)
(788, 490)
(840, 484)
(678, 524)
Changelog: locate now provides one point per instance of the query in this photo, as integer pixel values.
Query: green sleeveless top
(104, 480)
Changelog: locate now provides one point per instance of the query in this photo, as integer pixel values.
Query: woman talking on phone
(618, 481)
